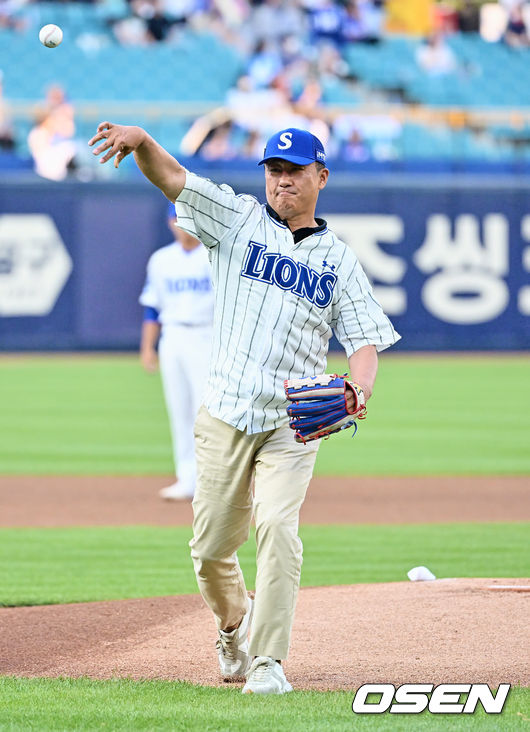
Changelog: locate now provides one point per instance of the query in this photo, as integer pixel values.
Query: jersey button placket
(274, 306)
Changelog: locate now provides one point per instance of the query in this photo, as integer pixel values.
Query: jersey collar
(302, 233)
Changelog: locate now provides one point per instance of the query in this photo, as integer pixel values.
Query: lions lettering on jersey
(281, 270)
(179, 286)
(185, 284)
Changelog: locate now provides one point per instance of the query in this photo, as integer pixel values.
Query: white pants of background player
(184, 356)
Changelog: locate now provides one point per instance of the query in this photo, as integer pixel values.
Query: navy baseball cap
(296, 146)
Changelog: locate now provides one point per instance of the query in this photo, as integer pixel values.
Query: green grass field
(103, 415)
(41, 566)
(429, 415)
(75, 565)
(39, 704)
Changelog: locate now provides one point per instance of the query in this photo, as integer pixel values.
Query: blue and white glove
(320, 405)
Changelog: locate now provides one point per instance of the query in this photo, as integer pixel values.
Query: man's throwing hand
(120, 141)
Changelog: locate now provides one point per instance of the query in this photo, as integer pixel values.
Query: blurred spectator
(7, 137)
(151, 22)
(292, 50)
(468, 16)
(354, 149)
(180, 10)
(218, 144)
(493, 21)
(253, 146)
(248, 106)
(251, 115)
(51, 140)
(516, 33)
(131, 31)
(352, 25)
(330, 62)
(326, 23)
(158, 24)
(275, 19)
(310, 99)
(201, 129)
(292, 57)
(10, 16)
(435, 57)
(373, 16)
(509, 5)
(60, 108)
(362, 137)
(362, 21)
(53, 156)
(213, 21)
(265, 64)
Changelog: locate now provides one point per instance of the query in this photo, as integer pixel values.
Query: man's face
(292, 190)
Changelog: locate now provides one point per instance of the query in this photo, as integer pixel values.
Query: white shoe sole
(285, 690)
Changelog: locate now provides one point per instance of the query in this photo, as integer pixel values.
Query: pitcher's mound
(427, 632)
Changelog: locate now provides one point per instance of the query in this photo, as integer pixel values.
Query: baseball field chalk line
(512, 588)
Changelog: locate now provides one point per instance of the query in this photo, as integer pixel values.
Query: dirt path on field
(115, 501)
(426, 632)
(449, 630)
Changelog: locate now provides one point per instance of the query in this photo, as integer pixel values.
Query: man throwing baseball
(283, 282)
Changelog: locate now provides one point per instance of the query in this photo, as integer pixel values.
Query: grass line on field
(104, 415)
(47, 566)
(82, 704)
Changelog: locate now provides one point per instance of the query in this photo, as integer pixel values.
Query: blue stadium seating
(199, 68)
(489, 74)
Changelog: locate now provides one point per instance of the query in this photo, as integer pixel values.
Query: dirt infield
(449, 630)
(425, 632)
(127, 500)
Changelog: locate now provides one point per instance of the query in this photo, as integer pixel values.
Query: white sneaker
(176, 492)
(232, 648)
(266, 676)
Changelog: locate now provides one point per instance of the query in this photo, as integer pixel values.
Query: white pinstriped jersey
(277, 302)
(179, 286)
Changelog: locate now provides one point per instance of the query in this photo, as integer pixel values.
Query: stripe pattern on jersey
(264, 332)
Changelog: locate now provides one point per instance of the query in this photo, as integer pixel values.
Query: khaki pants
(223, 505)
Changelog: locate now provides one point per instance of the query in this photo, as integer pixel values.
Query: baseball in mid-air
(50, 35)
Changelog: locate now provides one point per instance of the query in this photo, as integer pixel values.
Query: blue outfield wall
(449, 256)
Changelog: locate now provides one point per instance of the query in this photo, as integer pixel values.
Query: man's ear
(323, 176)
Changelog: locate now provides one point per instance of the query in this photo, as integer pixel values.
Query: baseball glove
(320, 407)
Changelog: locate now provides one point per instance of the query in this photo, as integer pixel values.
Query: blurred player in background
(178, 315)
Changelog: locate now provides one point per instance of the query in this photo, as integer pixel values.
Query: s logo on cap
(285, 137)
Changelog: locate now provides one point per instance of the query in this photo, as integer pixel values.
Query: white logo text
(414, 698)
(285, 137)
